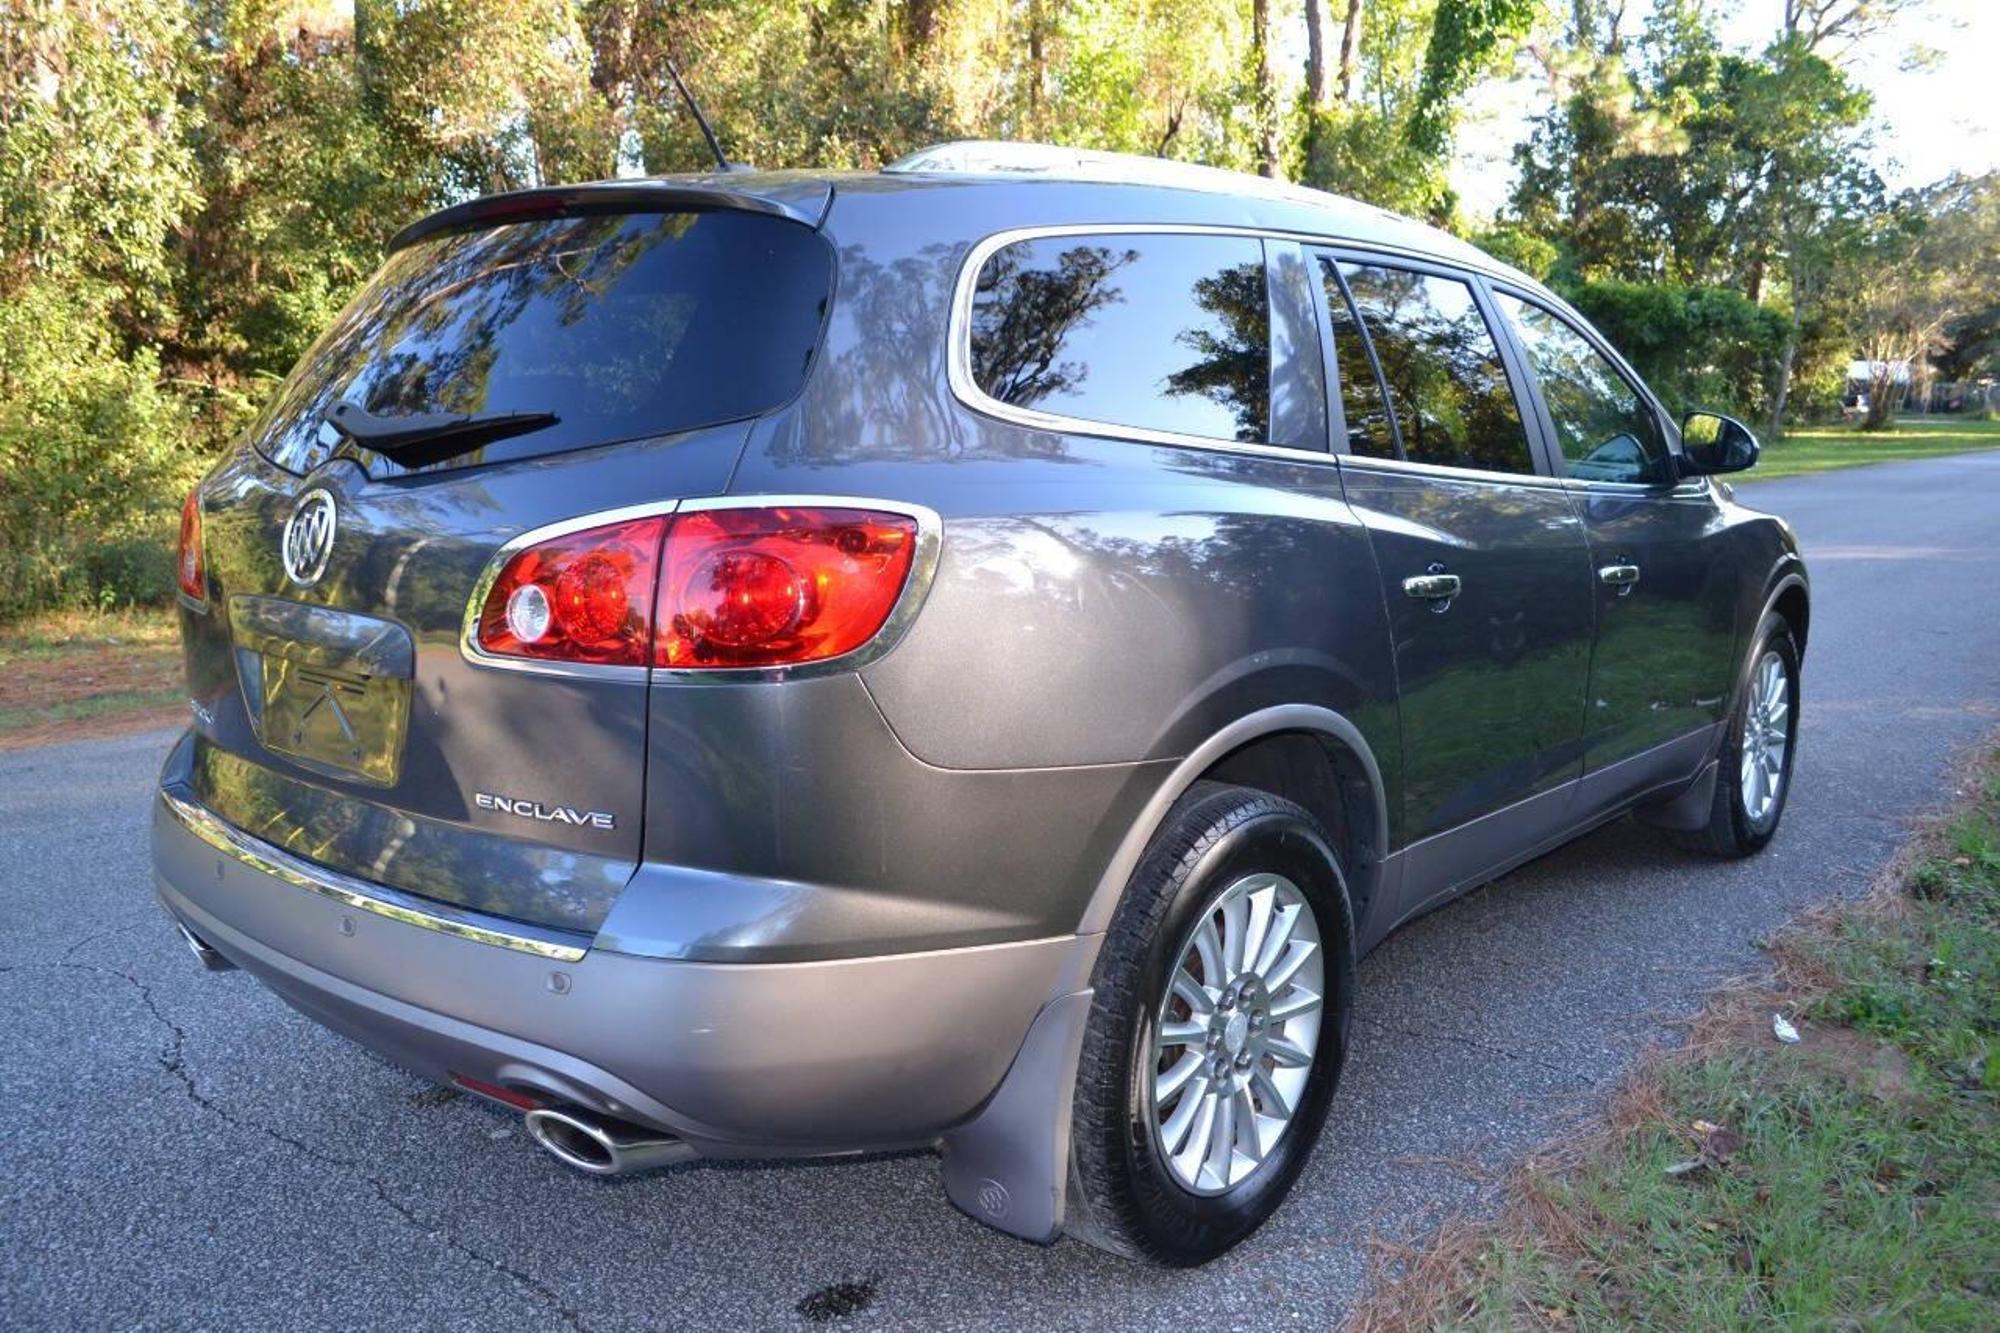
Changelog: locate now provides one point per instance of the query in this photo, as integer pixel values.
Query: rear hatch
(624, 355)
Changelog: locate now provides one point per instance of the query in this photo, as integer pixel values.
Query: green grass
(1851, 1181)
(1803, 451)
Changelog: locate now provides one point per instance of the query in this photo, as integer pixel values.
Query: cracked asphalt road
(182, 1150)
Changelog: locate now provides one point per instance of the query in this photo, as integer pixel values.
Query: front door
(1665, 587)
(1483, 563)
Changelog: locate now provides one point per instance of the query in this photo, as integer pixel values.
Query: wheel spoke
(1280, 976)
(1182, 1032)
(1175, 1131)
(1201, 1129)
(1298, 1001)
(1250, 1131)
(1235, 910)
(1287, 1054)
(1283, 923)
(1275, 1104)
(1171, 1082)
(1261, 900)
(1222, 1136)
(1193, 992)
(1208, 946)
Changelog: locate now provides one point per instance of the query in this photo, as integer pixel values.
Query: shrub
(95, 457)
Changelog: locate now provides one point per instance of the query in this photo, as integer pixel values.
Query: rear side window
(1447, 385)
(622, 325)
(1158, 332)
(1607, 431)
(1369, 431)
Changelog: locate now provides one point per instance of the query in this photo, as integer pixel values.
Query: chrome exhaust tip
(204, 953)
(599, 1145)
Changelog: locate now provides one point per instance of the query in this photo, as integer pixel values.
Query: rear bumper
(739, 1059)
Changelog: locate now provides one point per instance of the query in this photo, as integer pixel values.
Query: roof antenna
(714, 144)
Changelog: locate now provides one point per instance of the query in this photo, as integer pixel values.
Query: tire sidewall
(1183, 1226)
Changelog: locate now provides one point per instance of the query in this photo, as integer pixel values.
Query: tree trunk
(1267, 91)
(1034, 67)
(1784, 387)
(1350, 50)
(1318, 86)
(1881, 395)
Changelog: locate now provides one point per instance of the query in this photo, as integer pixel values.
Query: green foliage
(93, 456)
(191, 189)
(1697, 346)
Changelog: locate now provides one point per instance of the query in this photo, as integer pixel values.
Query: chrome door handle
(1621, 577)
(1432, 587)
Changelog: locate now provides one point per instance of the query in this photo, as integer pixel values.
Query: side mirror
(1711, 443)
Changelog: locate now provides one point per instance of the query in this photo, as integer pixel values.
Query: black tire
(1122, 1197)
(1732, 831)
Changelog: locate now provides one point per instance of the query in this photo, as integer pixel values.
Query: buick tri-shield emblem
(308, 539)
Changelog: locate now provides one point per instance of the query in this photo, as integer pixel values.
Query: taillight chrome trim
(916, 587)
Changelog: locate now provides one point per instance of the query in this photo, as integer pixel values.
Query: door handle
(1432, 587)
(1621, 577)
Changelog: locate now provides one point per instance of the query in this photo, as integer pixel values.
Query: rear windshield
(621, 325)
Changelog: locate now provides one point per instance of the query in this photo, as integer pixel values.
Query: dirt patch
(96, 727)
(67, 682)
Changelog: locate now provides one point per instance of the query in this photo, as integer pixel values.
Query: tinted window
(1607, 431)
(1369, 431)
(1167, 333)
(623, 325)
(1446, 382)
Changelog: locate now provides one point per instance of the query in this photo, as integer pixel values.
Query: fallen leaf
(1783, 1030)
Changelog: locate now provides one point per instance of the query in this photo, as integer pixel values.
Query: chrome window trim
(916, 587)
(379, 899)
(958, 336)
(1364, 463)
(958, 332)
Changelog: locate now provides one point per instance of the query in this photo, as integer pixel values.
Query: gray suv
(967, 655)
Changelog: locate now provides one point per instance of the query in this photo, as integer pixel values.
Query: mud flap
(1688, 811)
(1009, 1165)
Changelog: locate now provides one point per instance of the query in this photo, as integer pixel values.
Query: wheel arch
(1310, 755)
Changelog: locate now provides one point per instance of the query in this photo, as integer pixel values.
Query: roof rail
(990, 157)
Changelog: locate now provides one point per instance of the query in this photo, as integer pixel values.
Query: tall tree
(1265, 88)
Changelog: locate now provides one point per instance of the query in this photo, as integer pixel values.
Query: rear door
(1483, 564)
(339, 712)
(1666, 589)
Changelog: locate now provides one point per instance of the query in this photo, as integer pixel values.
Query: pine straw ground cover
(1849, 1181)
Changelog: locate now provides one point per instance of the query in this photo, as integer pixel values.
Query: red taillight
(703, 589)
(582, 597)
(778, 586)
(191, 568)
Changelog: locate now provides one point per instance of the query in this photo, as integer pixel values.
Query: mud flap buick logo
(548, 814)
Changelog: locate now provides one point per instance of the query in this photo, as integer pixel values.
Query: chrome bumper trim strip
(274, 861)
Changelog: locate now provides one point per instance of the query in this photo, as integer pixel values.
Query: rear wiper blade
(430, 437)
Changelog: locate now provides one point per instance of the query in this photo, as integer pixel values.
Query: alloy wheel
(1766, 737)
(1236, 1033)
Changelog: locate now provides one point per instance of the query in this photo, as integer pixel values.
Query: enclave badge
(308, 538)
(548, 814)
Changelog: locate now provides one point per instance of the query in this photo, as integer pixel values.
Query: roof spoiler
(635, 196)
